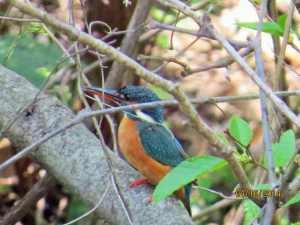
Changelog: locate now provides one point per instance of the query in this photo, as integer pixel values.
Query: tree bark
(75, 157)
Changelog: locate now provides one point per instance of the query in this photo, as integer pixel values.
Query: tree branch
(186, 106)
(75, 157)
(282, 107)
(201, 33)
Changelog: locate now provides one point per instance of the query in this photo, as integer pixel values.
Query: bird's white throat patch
(144, 116)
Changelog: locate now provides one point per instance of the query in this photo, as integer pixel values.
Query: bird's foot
(150, 199)
(138, 182)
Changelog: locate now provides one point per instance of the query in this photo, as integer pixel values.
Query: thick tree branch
(186, 107)
(84, 115)
(75, 157)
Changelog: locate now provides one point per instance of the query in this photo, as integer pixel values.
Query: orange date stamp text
(257, 193)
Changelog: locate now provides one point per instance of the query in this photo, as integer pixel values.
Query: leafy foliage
(273, 28)
(212, 1)
(250, 210)
(34, 67)
(223, 138)
(241, 131)
(185, 173)
(160, 92)
(283, 150)
(268, 27)
(294, 200)
(214, 181)
(76, 209)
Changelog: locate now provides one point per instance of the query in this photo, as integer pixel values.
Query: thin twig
(270, 207)
(213, 208)
(21, 208)
(13, 45)
(288, 177)
(185, 66)
(172, 34)
(219, 193)
(104, 147)
(282, 107)
(84, 115)
(62, 60)
(121, 198)
(20, 19)
(219, 64)
(177, 55)
(51, 35)
(93, 209)
(258, 214)
(151, 33)
(287, 65)
(200, 33)
(108, 118)
(293, 189)
(2, 22)
(285, 41)
(252, 160)
(186, 106)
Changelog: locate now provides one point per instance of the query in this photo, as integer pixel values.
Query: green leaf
(163, 41)
(223, 138)
(185, 173)
(256, 1)
(282, 20)
(283, 150)
(76, 209)
(5, 189)
(250, 210)
(262, 187)
(161, 15)
(268, 27)
(162, 94)
(294, 200)
(212, 1)
(241, 131)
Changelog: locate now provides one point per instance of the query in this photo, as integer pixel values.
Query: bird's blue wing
(160, 144)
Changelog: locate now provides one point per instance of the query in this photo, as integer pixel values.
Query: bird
(146, 143)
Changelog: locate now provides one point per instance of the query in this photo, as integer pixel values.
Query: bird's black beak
(103, 93)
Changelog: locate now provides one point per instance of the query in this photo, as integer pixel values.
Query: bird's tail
(184, 194)
(187, 205)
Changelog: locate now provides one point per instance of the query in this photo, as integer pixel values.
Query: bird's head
(129, 95)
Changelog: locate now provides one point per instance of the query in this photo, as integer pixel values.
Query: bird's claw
(138, 182)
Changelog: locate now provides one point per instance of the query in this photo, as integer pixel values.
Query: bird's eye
(122, 96)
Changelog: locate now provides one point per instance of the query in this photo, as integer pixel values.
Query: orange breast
(131, 147)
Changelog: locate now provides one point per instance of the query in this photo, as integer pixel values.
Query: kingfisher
(146, 143)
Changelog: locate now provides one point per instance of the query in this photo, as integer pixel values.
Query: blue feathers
(160, 144)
